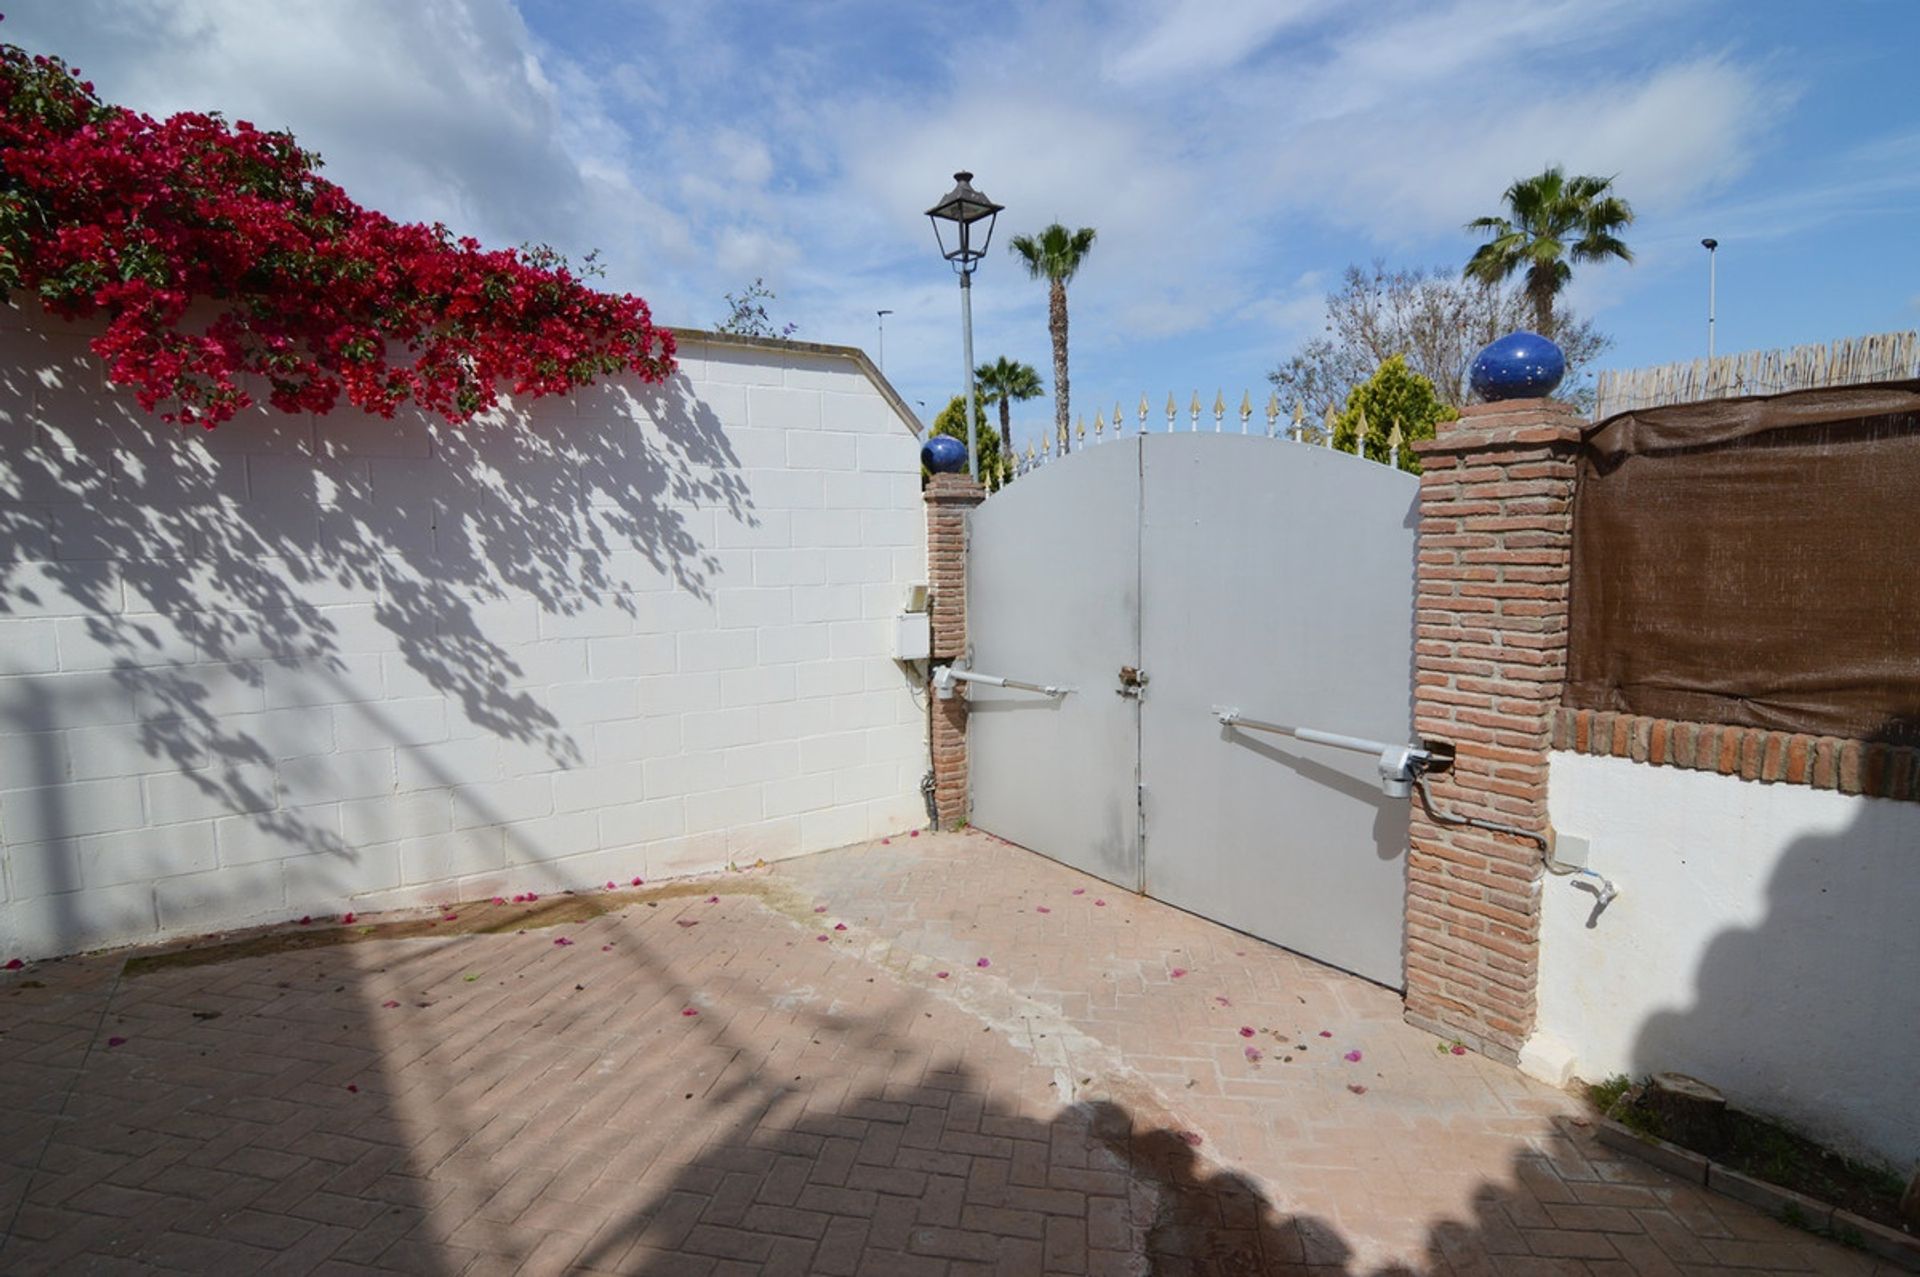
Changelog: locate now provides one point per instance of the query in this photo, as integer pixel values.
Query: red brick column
(1496, 525)
(949, 497)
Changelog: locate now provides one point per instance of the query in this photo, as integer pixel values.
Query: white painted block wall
(297, 666)
(1766, 938)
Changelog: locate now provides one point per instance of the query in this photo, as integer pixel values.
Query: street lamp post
(964, 209)
(1713, 257)
(880, 316)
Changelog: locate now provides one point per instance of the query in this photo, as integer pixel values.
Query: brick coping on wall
(1871, 769)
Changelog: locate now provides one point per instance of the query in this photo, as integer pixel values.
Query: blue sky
(1235, 155)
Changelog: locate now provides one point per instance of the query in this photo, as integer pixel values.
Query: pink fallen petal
(562, 942)
(1177, 972)
(1246, 1030)
(1458, 1049)
(1041, 909)
(520, 899)
(1079, 891)
(612, 885)
(819, 908)
(685, 922)
(839, 926)
(823, 936)
(352, 1089)
(713, 900)
(1221, 1000)
(606, 948)
(941, 975)
(500, 900)
(307, 921)
(1100, 904)
(1356, 1088)
(886, 842)
(347, 918)
(532, 896)
(451, 917)
(1190, 1138)
(639, 882)
(116, 1041)
(389, 1004)
(14, 964)
(1351, 1057)
(690, 1011)
(1325, 1034)
(984, 962)
(1253, 1055)
(914, 834)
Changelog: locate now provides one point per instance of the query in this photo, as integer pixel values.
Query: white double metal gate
(1161, 578)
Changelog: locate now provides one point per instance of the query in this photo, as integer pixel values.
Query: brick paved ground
(835, 1106)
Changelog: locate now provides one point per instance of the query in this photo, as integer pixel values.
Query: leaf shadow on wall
(1812, 1015)
(284, 562)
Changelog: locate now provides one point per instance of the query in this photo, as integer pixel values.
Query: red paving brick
(834, 1107)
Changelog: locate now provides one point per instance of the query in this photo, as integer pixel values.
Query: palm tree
(1552, 220)
(1056, 255)
(1002, 382)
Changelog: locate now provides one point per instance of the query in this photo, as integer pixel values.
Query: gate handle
(1399, 764)
(947, 675)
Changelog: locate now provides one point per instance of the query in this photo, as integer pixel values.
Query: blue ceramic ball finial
(944, 454)
(1518, 366)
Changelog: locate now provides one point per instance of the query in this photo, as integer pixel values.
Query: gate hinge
(1140, 806)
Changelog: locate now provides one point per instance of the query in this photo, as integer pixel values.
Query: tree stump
(1690, 1113)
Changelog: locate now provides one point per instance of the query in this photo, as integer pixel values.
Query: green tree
(1002, 382)
(994, 468)
(1394, 395)
(1056, 255)
(748, 317)
(1552, 221)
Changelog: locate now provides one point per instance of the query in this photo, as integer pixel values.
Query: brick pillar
(949, 497)
(1496, 525)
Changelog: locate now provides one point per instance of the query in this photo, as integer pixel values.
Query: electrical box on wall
(912, 637)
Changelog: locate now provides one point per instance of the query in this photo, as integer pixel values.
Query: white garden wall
(297, 666)
(1766, 939)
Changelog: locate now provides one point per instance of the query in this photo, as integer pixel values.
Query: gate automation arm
(1404, 767)
(1399, 764)
(947, 675)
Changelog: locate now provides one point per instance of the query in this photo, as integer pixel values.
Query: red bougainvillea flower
(306, 295)
(450, 917)
(1079, 891)
(532, 896)
(1351, 1057)
(612, 885)
(14, 964)
(500, 900)
(913, 833)
(690, 1011)
(1325, 1034)
(1458, 1049)
(1177, 972)
(1246, 1030)
(941, 975)
(639, 882)
(1099, 904)
(1356, 1088)
(839, 926)
(112, 1042)
(713, 900)
(346, 919)
(307, 920)
(1254, 1055)
(983, 962)
(389, 1004)
(886, 842)
(520, 899)
(562, 942)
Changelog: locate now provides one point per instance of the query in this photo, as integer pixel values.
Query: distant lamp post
(880, 316)
(964, 210)
(1713, 256)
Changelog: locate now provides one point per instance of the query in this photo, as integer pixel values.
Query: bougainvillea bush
(108, 212)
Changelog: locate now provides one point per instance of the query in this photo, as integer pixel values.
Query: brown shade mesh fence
(1754, 562)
